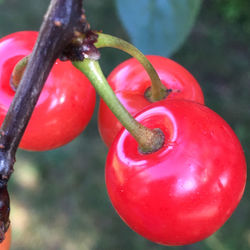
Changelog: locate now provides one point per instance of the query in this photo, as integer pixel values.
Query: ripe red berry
(5, 245)
(66, 103)
(130, 81)
(186, 190)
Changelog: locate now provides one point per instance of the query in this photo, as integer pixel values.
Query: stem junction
(148, 140)
(157, 91)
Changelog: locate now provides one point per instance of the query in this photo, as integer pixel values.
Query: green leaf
(158, 26)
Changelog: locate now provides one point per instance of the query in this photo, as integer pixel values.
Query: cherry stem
(148, 140)
(157, 91)
(17, 72)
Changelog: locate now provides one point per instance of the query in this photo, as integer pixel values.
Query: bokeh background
(59, 199)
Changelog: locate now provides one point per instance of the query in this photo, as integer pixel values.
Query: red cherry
(5, 245)
(65, 105)
(130, 81)
(185, 191)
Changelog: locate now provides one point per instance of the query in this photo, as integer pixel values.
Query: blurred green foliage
(58, 198)
(236, 11)
(18, 15)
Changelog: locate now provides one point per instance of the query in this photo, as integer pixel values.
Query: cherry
(130, 82)
(65, 105)
(5, 245)
(186, 190)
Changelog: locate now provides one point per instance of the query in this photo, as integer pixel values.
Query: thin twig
(63, 20)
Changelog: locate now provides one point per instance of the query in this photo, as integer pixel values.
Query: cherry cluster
(177, 191)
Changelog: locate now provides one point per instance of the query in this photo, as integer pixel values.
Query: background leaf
(16, 15)
(158, 26)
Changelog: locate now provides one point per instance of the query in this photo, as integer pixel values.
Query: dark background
(59, 199)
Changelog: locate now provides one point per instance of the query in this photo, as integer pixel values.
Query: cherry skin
(65, 105)
(129, 81)
(186, 190)
(5, 245)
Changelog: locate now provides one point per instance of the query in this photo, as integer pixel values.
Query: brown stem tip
(152, 142)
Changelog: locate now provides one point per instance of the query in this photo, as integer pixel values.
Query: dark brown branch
(62, 20)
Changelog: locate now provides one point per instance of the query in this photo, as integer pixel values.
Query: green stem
(17, 72)
(157, 91)
(148, 140)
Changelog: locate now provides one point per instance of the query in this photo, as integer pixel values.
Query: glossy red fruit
(130, 81)
(66, 103)
(5, 245)
(185, 191)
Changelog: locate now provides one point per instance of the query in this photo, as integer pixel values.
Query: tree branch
(63, 19)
